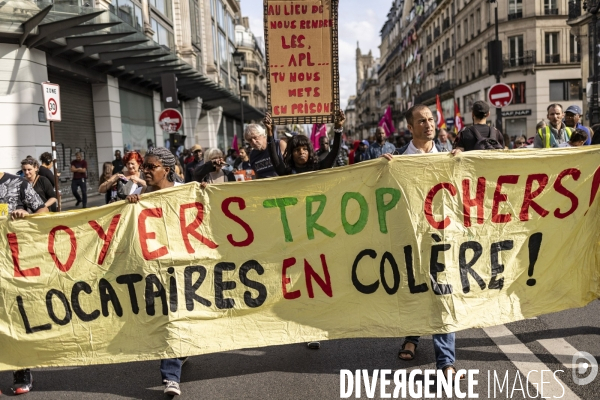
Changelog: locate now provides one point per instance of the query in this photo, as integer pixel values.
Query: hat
(574, 109)
(196, 147)
(480, 107)
(365, 142)
(291, 134)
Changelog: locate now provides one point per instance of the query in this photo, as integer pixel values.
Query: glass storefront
(137, 121)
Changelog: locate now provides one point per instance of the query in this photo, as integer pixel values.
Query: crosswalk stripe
(526, 361)
(561, 350)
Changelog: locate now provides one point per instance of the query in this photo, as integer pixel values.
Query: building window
(195, 23)
(468, 101)
(466, 27)
(518, 92)
(515, 9)
(129, 12)
(552, 56)
(220, 12)
(458, 37)
(231, 29)
(163, 6)
(162, 35)
(478, 20)
(550, 7)
(215, 47)
(565, 90)
(137, 121)
(574, 49)
(224, 57)
(515, 50)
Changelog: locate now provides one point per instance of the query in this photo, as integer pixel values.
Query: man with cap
(572, 118)
(361, 153)
(467, 138)
(556, 132)
(196, 151)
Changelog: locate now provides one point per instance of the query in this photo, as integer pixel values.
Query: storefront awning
(101, 42)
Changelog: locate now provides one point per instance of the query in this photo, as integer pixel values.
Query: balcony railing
(552, 58)
(575, 58)
(429, 67)
(437, 61)
(246, 86)
(446, 23)
(446, 55)
(436, 32)
(515, 15)
(428, 39)
(528, 58)
(431, 93)
(574, 9)
(550, 11)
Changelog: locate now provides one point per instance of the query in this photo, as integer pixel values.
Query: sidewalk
(93, 200)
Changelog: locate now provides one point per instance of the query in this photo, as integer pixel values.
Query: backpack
(486, 143)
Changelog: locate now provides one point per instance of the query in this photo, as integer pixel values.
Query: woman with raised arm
(299, 155)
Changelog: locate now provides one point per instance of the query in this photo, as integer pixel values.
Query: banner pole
(56, 185)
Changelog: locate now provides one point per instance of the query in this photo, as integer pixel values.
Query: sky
(358, 21)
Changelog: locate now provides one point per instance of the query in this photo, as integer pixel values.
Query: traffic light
(495, 66)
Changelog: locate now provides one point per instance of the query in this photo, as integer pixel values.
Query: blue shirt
(376, 150)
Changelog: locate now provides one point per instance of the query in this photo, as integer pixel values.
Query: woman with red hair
(132, 179)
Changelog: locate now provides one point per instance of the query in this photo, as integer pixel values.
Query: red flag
(318, 130)
(234, 143)
(387, 123)
(441, 124)
(458, 123)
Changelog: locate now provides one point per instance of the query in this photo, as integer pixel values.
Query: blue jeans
(170, 369)
(443, 346)
(79, 183)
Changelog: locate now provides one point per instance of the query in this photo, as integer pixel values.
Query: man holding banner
(381, 146)
(421, 124)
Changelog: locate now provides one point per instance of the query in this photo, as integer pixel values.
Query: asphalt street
(518, 349)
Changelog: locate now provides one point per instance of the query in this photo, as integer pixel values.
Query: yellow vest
(545, 135)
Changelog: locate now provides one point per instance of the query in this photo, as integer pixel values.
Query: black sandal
(404, 351)
(462, 377)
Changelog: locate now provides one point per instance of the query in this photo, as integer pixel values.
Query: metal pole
(498, 110)
(241, 102)
(56, 186)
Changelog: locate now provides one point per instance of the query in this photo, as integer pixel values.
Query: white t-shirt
(565, 144)
(413, 150)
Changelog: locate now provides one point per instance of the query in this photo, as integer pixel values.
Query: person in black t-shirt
(118, 163)
(467, 139)
(46, 159)
(40, 184)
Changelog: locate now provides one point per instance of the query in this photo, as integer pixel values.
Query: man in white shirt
(421, 124)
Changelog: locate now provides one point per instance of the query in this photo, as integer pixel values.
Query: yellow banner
(422, 244)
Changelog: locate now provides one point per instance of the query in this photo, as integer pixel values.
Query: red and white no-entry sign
(51, 93)
(170, 120)
(500, 95)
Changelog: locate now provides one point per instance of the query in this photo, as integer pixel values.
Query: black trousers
(79, 183)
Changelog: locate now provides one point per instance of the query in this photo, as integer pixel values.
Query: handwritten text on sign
(299, 54)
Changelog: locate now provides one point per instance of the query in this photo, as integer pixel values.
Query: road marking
(526, 361)
(561, 350)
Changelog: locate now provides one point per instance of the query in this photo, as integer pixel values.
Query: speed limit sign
(51, 92)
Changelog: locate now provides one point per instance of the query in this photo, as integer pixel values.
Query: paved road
(295, 372)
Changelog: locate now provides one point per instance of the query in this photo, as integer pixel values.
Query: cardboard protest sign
(302, 60)
(419, 245)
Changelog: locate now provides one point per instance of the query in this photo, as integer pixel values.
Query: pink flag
(318, 130)
(234, 144)
(387, 123)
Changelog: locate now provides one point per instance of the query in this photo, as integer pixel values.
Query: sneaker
(22, 381)
(172, 388)
(77, 203)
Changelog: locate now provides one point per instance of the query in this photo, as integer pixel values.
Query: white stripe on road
(561, 350)
(526, 361)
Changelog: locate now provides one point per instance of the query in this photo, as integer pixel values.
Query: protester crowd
(265, 155)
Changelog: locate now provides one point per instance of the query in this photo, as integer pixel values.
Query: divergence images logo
(582, 362)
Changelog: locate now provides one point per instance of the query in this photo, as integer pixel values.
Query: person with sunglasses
(159, 173)
(520, 142)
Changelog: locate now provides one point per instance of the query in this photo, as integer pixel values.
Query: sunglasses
(149, 166)
(519, 142)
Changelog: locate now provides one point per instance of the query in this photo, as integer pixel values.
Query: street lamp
(239, 61)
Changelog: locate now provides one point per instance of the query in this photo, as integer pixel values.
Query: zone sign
(51, 93)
